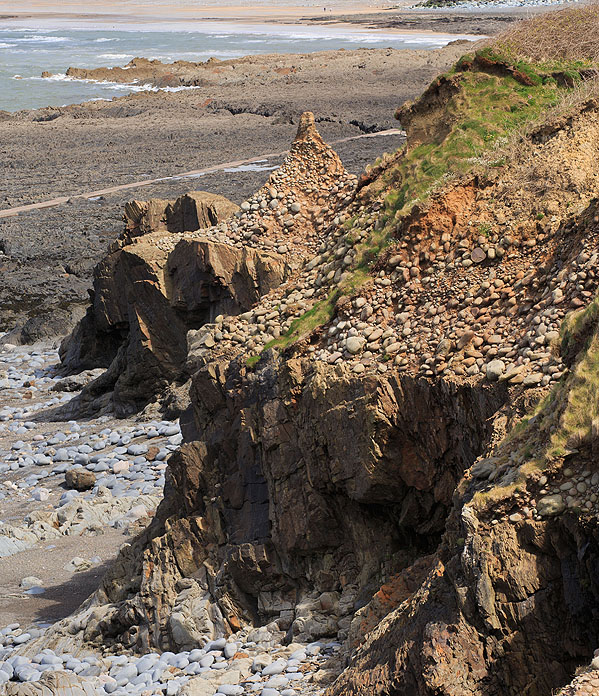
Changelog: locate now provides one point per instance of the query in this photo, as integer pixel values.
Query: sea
(28, 49)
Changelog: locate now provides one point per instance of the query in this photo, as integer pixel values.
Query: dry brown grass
(570, 34)
(513, 147)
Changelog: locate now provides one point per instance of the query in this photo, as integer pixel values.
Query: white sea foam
(125, 86)
(117, 56)
(39, 38)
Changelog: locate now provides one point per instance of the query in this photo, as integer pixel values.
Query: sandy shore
(251, 12)
(340, 15)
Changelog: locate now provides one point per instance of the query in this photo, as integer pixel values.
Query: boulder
(80, 479)
(495, 369)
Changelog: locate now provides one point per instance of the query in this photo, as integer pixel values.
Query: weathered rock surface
(145, 301)
(509, 605)
(193, 211)
(80, 479)
(289, 512)
(53, 684)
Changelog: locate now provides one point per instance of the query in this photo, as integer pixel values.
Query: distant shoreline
(56, 20)
(50, 21)
(360, 18)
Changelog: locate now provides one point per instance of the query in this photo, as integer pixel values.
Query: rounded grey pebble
(230, 650)
(230, 689)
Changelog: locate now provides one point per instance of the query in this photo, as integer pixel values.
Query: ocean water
(26, 51)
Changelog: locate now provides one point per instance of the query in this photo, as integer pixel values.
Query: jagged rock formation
(193, 211)
(510, 604)
(152, 289)
(145, 301)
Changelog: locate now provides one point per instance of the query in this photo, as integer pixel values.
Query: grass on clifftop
(486, 111)
(571, 34)
(552, 52)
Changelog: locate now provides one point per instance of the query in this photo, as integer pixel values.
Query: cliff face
(511, 613)
(301, 487)
(511, 601)
(393, 443)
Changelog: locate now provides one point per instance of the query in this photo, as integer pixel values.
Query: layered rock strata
(193, 211)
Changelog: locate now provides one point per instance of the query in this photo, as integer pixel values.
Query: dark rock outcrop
(511, 611)
(193, 211)
(301, 489)
(147, 298)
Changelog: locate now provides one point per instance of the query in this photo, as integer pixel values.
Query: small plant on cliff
(485, 228)
(577, 326)
(581, 402)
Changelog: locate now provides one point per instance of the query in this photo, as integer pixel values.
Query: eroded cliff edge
(394, 445)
